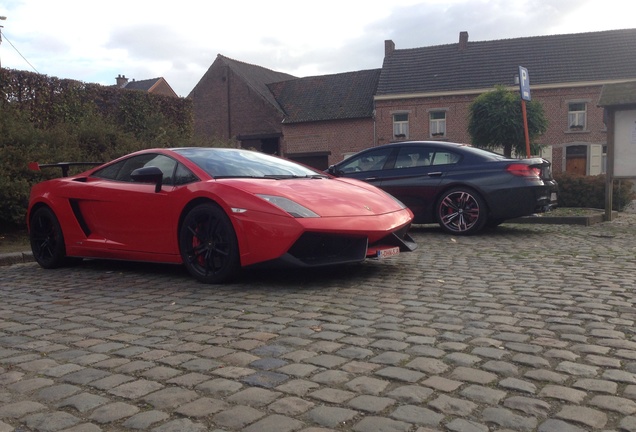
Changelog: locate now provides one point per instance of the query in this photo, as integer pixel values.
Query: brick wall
(555, 104)
(337, 137)
(224, 106)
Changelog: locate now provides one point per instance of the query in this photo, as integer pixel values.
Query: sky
(95, 41)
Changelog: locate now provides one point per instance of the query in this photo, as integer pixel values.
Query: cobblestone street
(523, 328)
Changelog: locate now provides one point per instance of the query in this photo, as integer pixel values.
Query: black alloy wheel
(208, 245)
(47, 240)
(461, 211)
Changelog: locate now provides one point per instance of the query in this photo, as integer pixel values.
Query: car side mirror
(149, 174)
(332, 170)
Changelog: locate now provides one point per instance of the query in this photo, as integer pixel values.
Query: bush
(589, 191)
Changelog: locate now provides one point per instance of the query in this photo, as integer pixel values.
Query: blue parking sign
(524, 83)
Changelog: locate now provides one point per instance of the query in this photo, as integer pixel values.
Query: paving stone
(113, 412)
(291, 406)
(542, 375)
(376, 424)
(411, 394)
(530, 406)
(237, 417)
(275, 423)
(298, 387)
(367, 385)
(20, 409)
(202, 407)
(518, 385)
(332, 417)
(400, 374)
(297, 369)
(371, 404)
(584, 415)
(428, 365)
(332, 395)
(613, 403)
(180, 425)
(219, 387)
(483, 394)
(50, 421)
(170, 397)
(135, 389)
(254, 397)
(577, 369)
(83, 402)
(501, 368)
(563, 393)
(417, 415)
(553, 425)
(462, 425)
(507, 419)
(144, 420)
(473, 375)
(452, 406)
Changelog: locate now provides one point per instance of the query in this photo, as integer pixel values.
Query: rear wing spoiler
(34, 166)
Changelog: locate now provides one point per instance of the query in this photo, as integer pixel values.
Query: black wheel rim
(208, 245)
(44, 238)
(459, 211)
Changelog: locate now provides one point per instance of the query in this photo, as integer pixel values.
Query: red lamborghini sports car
(215, 210)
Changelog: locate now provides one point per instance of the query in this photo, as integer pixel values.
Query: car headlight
(291, 207)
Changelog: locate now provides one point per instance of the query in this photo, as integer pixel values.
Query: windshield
(225, 163)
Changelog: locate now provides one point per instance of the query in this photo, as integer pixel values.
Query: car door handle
(370, 179)
(435, 174)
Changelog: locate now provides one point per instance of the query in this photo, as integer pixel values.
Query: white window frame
(400, 125)
(437, 126)
(577, 118)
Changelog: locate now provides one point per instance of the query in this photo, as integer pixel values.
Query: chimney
(389, 47)
(122, 80)
(463, 40)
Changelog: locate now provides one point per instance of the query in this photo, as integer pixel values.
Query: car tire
(47, 239)
(461, 211)
(208, 244)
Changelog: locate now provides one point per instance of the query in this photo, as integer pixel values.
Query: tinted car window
(413, 157)
(445, 158)
(369, 161)
(173, 173)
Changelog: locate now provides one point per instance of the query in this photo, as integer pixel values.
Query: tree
(496, 122)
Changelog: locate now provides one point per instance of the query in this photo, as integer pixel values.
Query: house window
(437, 123)
(401, 126)
(577, 115)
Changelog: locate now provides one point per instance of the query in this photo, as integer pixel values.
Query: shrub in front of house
(589, 191)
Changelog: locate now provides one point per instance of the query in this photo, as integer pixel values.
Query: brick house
(421, 94)
(232, 102)
(154, 85)
(327, 117)
(424, 93)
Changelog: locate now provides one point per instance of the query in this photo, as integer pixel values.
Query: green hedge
(589, 191)
(46, 119)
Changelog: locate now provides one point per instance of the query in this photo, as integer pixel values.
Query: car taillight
(523, 170)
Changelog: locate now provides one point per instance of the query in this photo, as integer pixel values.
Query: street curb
(563, 220)
(15, 258)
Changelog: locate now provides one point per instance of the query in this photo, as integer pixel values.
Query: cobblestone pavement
(524, 328)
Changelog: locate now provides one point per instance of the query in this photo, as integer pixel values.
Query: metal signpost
(524, 88)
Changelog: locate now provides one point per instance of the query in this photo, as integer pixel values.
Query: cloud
(179, 41)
